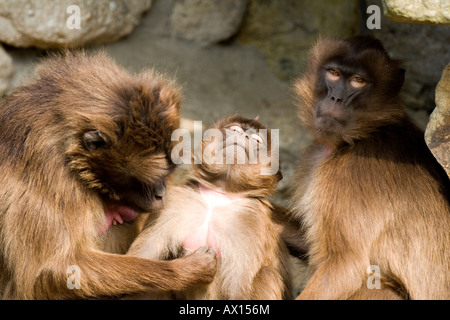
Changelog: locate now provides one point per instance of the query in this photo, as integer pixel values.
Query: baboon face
(238, 156)
(350, 78)
(351, 86)
(126, 159)
(119, 129)
(125, 167)
(236, 144)
(242, 140)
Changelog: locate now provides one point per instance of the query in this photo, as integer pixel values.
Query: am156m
(246, 309)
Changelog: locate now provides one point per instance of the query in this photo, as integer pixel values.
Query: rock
(424, 51)
(437, 134)
(286, 29)
(207, 21)
(6, 70)
(423, 11)
(44, 24)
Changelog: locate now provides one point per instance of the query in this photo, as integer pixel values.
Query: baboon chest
(204, 231)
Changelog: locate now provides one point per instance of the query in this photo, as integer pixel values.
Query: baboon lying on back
(225, 205)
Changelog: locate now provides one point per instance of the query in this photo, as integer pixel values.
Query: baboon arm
(154, 243)
(109, 275)
(292, 233)
(293, 236)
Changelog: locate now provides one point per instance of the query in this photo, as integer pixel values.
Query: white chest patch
(204, 234)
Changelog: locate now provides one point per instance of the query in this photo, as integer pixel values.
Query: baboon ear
(168, 90)
(401, 78)
(93, 140)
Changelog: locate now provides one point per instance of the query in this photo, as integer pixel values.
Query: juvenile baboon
(225, 206)
(368, 191)
(84, 149)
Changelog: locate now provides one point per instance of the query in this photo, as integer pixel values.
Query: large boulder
(424, 51)
(207, 21)
(6, 69)
(44, 24)
(418, 11)
(437, 134)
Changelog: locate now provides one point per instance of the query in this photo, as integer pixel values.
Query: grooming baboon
(225, 206)
(368, 191)
(85, 147)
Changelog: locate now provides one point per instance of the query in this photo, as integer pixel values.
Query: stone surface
(418, 11)
(437, 134)
(424, 50)
(285, 29)
(207, 21)
(44, 24)
(6, 69)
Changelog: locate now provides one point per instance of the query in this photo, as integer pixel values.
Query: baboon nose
(334, 99)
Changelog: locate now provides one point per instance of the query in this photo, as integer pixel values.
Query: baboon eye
(236, 128)
(160, 191)
(93, 140)
(333, 74)
(357, 82)
(256, 137)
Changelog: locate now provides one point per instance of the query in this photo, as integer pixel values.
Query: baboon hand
(201, 265)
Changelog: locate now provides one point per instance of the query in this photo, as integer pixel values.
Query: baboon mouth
(116, 213)
(329, 123)
(231, 153)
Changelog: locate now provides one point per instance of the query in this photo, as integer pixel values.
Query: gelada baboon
(84, 149)
(368, 191)
(224, 206)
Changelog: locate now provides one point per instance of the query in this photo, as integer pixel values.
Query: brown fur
(53, 190)
(378, 198)
(253, 260)
(291, 231)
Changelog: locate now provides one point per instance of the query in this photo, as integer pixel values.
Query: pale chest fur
(217, 213)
